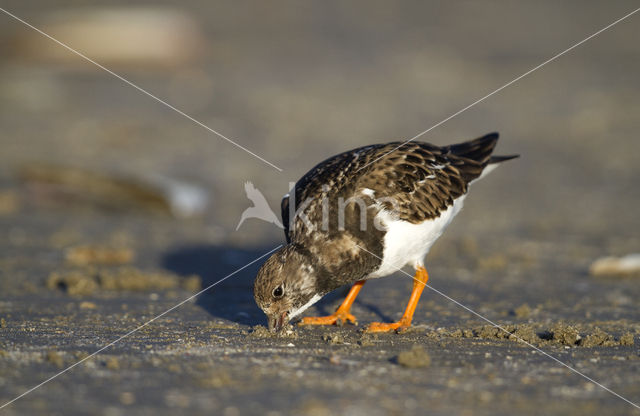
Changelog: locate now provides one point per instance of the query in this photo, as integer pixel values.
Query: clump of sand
(522, 311)
(559, 333)
(112, 363)
(416, 357)
(565, 335)
(75, 283)
(87, 255)
(600, 338)
(333, 339)
(55, 358)
(87, 282)
(512, 332)
(260, 331)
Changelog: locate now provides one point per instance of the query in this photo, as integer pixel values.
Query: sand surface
(100, 249)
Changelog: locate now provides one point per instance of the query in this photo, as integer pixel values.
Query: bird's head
(286, 285)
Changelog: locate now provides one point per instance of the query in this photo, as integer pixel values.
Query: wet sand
(78, 272)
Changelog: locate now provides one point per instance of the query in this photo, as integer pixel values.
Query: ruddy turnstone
(365, 214)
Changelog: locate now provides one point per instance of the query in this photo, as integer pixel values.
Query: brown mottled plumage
(413, 182)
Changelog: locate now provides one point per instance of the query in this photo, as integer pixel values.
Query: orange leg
(419, 282)
(342, 314)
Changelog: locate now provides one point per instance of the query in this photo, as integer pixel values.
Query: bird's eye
(278, 292)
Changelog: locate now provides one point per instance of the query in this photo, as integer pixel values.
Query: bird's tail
(499, 159)
(480, 150)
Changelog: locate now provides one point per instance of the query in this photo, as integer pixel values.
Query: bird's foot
(338, 318)
(399, 326)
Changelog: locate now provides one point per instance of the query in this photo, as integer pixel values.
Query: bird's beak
(276, 322)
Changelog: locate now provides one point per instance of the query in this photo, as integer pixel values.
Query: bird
(260, 208)
(365, 214)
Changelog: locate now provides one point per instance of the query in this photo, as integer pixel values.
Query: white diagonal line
(142, 90)
(138, 328)
(553, 58)
(502, 329)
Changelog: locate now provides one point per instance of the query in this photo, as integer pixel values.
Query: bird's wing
(284, 211)
(414, 180)
(325, 180)
(418, 180)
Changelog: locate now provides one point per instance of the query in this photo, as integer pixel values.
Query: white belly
(407, 243)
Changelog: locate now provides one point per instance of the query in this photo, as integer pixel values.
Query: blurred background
(298, 82)
(100, 183)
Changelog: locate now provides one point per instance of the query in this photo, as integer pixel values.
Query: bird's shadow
(232, 298)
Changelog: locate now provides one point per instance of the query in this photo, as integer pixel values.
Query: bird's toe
(387, 327)
(334, 319)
